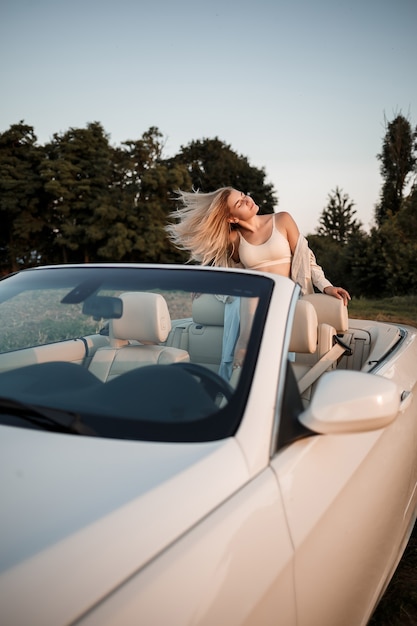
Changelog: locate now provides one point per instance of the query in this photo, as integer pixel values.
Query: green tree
(142, 192)
(330, 255)
(398, 162)
(212, 164)
(77, 174)
(78, 199)
(367, 269)
(23, 232)
(337, 220)
(110, 204)
(400, 250)
(337, 234)
(384, 265)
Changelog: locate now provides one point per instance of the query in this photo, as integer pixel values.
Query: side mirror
(351, 402)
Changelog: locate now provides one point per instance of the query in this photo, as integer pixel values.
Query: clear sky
(301, 88)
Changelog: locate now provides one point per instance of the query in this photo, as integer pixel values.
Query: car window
(37, 317)
(133, 353)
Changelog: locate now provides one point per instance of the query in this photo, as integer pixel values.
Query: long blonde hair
(203, 229)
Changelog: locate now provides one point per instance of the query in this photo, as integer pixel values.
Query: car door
(235, 567)
(348, 501)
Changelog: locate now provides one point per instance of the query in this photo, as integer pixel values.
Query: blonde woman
(223, 228)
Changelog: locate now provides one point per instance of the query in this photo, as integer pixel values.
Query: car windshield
(129, 352)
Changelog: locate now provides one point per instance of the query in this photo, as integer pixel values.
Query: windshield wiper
(50, 419)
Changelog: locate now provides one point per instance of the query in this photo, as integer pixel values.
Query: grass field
(397, 309)
(398, 606)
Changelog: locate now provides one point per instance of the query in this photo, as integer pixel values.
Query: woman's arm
(284, 222)
(247, 312)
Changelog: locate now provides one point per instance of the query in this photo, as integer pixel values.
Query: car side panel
(233, 568)
(351, 502)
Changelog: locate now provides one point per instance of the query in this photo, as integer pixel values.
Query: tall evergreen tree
(337, 220)
(398, 163)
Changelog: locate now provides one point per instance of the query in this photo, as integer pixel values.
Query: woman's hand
(338, 292)
(240, 354)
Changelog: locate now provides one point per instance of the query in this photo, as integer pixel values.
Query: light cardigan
(304, 268)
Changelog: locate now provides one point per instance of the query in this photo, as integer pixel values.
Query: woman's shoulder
(285, 223)
(286, 220)
(283, 217)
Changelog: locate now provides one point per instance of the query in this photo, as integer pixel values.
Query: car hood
(79, 515)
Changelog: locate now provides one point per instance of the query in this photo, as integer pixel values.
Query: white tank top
(274, 251)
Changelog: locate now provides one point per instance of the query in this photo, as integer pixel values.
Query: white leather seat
(205, 334)
(135, 337)
(304, 330)
(329, 310)
(331, 319)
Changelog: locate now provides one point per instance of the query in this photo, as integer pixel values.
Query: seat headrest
(304, 330)
(145, 318)
(208, 310)
(329, 310)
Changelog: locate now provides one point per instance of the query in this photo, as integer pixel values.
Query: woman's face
(241, 206)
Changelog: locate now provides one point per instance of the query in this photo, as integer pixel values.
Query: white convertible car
(146, 479)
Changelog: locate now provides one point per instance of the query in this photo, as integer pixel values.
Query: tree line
(78, 199)
(381, 263)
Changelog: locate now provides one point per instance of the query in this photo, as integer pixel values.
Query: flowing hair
(202, 229)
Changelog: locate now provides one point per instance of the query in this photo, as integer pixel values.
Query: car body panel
(366, 508)
(122, 503)
(234, 568)
(355, 510)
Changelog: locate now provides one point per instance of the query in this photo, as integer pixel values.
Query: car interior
(142, 332)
